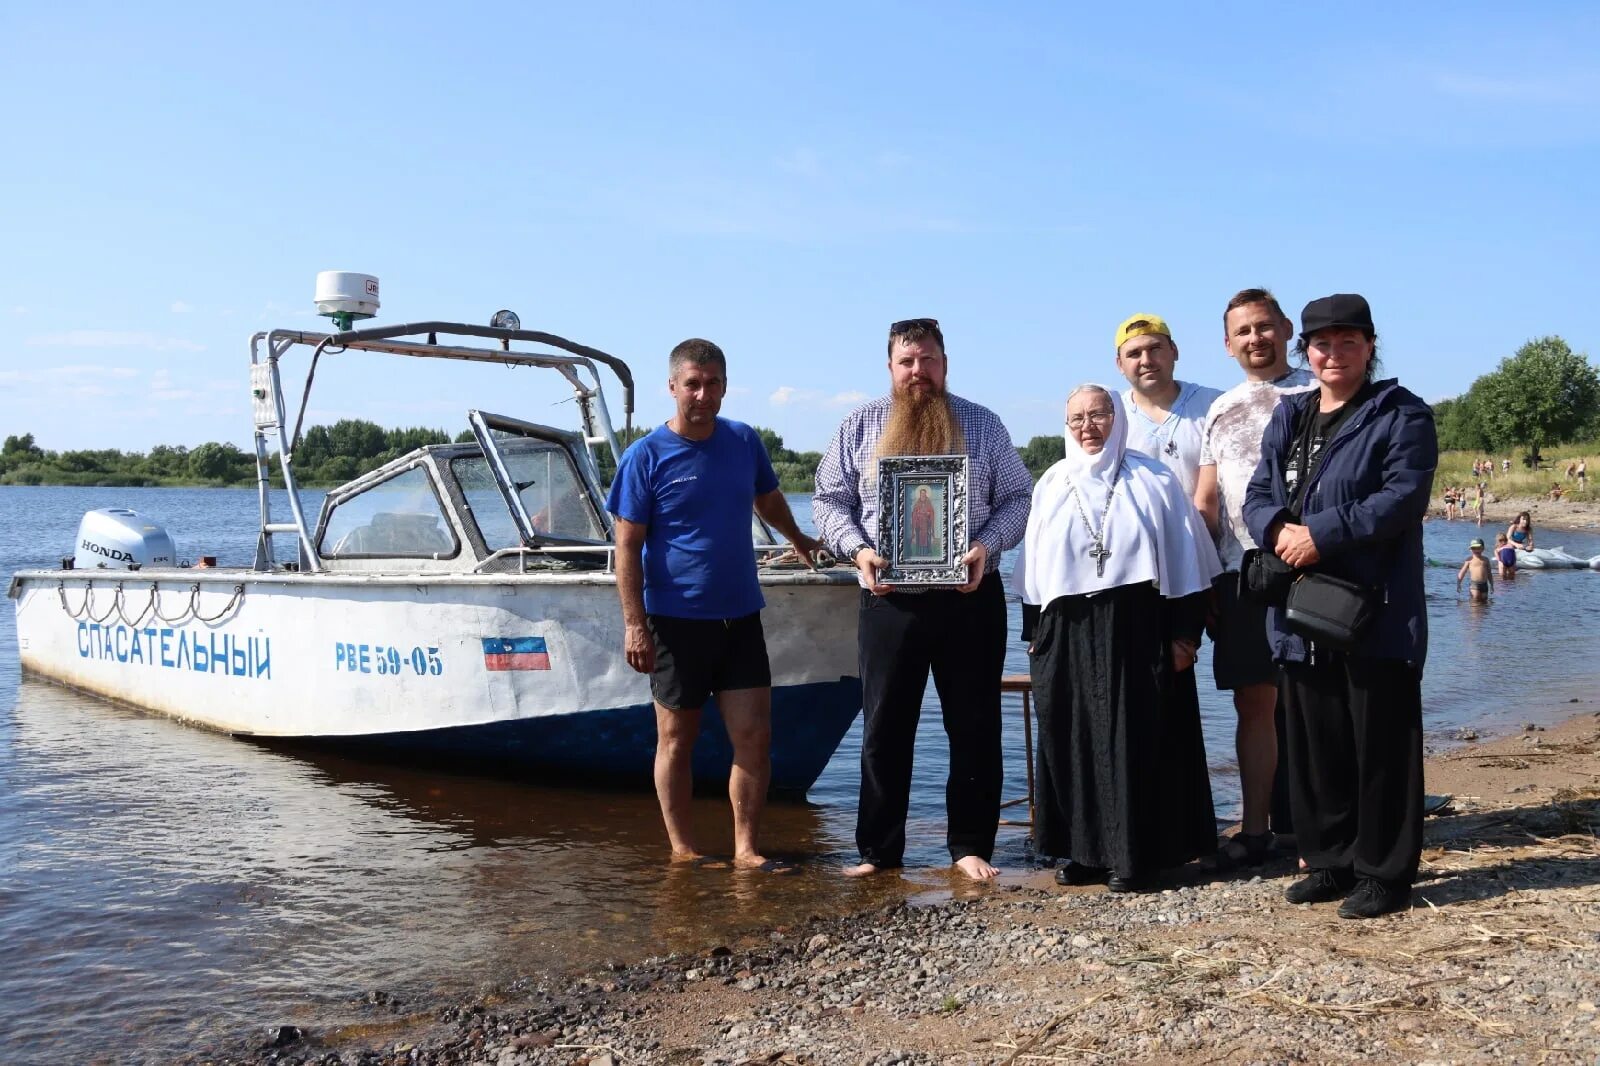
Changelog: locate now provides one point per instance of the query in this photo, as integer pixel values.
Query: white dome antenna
(345, 296)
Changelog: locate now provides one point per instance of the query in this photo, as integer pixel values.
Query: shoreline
(1581, 516)
(1494, 962)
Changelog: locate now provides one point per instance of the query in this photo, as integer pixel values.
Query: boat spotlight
(344, 296)
(505, 320)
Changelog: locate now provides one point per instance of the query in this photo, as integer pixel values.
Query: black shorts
(1242, 654)
(696, 657)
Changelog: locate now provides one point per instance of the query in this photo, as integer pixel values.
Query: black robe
(1122, 780)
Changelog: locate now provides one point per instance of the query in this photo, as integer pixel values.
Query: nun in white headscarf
(1113, 575)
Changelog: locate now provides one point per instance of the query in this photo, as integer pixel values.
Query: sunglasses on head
(906, 325)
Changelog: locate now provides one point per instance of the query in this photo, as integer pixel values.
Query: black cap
(1341, 309)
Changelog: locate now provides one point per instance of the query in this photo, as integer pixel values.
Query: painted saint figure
(922, 524)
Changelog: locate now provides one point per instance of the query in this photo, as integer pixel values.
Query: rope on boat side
(61, 591)
(182, 615)
(150, 604)
(114, 609)
(88, 604)
(152, 607)
(194, 604)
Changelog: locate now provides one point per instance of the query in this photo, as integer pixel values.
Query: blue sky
(783, 179)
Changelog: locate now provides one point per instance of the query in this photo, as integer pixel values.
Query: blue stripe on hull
(617, 746)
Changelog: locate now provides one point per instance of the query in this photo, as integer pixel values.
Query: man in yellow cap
(1165, 416)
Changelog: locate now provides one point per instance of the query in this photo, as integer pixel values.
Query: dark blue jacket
(1364, 508)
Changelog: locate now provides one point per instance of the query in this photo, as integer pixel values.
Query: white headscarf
(1151, 529)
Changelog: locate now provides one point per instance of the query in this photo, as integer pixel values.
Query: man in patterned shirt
(958, 634)
(1257, 334)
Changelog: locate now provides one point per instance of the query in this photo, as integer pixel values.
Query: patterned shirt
(999, 487)
(1231, 441)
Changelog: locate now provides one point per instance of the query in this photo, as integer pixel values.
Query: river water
(162, 887)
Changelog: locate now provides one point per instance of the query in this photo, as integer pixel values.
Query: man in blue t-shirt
(691, 602)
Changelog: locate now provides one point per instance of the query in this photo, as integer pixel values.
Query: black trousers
(961, 637)
(1282, 817)
(1355, 764)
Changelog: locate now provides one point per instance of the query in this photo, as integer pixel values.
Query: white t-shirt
(1175, 441)
(1231, 441)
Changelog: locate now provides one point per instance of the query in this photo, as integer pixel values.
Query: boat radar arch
(345, 296)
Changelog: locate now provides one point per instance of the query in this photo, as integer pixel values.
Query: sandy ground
(1546, 514)
(1498, 960)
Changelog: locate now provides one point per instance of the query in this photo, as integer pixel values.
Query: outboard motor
(115, 538)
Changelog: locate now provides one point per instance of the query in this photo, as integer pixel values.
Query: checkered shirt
(999, 487)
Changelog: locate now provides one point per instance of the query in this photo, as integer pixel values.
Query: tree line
(1544, 395)
(332, 455)
(328, 455)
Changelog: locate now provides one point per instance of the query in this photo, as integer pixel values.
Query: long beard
(921, 423)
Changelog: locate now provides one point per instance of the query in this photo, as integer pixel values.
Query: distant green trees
(328, 455)
(608, 466)
(23, 462)
(797, 471)
(1546, 394)
(1041, 453)
(332, 455)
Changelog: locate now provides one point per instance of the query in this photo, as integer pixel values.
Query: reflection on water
(160, 885)
(161, 878)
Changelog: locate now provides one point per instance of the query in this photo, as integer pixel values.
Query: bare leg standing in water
(685, 493)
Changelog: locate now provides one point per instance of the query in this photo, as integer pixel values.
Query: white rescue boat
(458, 603)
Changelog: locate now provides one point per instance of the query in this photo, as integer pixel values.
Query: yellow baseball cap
(1139, 325)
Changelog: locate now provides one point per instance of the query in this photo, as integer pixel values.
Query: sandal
(1244, 850)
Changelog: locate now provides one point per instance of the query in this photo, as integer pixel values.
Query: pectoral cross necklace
(1097, 548)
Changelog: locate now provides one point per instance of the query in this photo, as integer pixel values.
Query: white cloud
(1538, 89)
(58, 375)
(274, 309)
(181, 307)
(794, 396)
(98, 387)
(163, 388)
(784, 395)
(108, 338)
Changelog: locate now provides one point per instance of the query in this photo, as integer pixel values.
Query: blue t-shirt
(694, 498)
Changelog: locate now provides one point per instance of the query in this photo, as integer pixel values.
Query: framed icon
(922, 519)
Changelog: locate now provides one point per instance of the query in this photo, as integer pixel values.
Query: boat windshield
(399, 517)
(546, 481)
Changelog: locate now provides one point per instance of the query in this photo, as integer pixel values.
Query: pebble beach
(1495, 962)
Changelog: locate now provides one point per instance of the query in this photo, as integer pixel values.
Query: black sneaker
(1075, 873)
(1373, 898)
(1320, 886)
(1137, 882)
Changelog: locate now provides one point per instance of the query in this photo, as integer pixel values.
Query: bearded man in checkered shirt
(959, 634)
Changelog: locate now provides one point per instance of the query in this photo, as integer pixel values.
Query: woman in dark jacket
(1342, 489)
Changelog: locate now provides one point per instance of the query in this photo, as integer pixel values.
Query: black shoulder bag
(1330, 610)
(1319, 607)
(1264, 578)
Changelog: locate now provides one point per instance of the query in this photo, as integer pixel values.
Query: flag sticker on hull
(515, 653)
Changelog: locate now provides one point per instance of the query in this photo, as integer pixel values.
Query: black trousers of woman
(1355, 775)
(1122, 781)
(961, 638)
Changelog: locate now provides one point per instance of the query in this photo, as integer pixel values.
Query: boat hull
(507, 672)
(617, 746)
